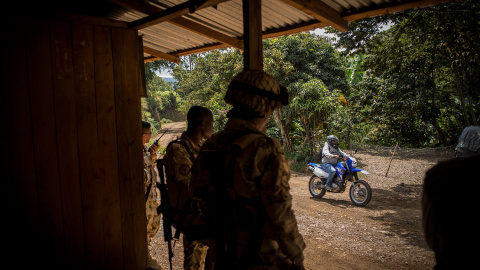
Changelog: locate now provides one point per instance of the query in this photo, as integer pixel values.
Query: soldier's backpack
(231, 213)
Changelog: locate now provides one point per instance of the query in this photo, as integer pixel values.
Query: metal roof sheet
(226, 19)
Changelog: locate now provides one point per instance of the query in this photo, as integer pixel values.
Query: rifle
(166, 209)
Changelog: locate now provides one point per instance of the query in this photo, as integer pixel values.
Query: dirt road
(170, 132)
(386, 234)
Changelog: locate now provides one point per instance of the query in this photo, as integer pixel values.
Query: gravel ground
(386, 234)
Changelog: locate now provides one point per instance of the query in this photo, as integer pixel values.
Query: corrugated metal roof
(226, 19)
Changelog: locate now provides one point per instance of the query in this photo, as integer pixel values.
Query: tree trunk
(306, 138)
(439, 130)
(469, 99)
(462, 100)
(433, 119)
(287, 143)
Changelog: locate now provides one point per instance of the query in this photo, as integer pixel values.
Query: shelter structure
(71, 86)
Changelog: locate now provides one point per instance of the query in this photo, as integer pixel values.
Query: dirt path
(386, 234)
(170, 132)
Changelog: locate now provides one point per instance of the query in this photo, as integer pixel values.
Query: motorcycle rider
(330, 154)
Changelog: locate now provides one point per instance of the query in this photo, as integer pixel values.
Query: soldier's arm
(198, 188)
(182, 165)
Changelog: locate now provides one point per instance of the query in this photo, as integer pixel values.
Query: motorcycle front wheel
(360, 193)
(314, 186)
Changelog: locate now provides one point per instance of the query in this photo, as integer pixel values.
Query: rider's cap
(256, 90)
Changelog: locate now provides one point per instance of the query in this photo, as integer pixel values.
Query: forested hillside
(409, 78)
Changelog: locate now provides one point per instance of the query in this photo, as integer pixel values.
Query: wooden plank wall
(71, 145)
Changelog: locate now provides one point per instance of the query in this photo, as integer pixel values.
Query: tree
(312, 105)
(354, 70)
(305, 63)
(161, 103)
(301, 58)
(204, 78)
(427, 63)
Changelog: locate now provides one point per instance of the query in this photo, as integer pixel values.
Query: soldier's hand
(153, 148)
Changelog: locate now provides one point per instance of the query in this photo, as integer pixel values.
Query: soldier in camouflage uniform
(241, 175)
(178, 160)
(150, 176)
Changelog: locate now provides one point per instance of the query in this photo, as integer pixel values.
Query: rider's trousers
(330, 169)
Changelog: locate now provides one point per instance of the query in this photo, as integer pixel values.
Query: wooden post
(141, 80)
(252, 34)
(391, 160)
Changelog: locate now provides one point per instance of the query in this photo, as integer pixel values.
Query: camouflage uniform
(263, 227)
(241, 179)
(149, 181)
(178, 163)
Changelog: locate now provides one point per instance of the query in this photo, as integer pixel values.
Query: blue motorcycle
(346, 171)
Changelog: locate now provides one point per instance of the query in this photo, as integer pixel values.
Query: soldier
(241, 176)
(149, 181)
(178, 160)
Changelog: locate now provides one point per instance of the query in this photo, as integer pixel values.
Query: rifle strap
(192, 157)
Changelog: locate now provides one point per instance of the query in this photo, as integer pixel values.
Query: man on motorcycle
(330, 154)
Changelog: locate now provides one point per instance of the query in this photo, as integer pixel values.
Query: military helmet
(332, 140)
(257, 91)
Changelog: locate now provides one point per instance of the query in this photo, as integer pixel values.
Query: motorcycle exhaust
(317, 171)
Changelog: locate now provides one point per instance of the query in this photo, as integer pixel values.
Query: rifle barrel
(166, 210)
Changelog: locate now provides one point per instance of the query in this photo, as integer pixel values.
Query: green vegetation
(414, 82)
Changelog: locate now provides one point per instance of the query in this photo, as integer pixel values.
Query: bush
(165, 121)
(299, 159)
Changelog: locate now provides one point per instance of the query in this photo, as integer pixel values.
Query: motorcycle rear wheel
(313, 186)
(363, 193)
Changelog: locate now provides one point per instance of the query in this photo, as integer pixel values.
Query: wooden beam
(162, 55)
(321, 12)
(142, 81)
(293, 29)
(172, 13)
(189, 25)
(252, 33)
(208, 32)
(391, 8)
(128, 129)
(63, 75)
(107, 143)
(201, 49)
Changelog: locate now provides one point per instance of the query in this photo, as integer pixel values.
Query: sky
(165, 74)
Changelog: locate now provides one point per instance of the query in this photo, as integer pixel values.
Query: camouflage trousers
(195, 254)
(153, 220)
